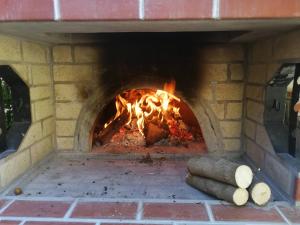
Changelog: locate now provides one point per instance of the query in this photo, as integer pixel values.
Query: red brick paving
(56, 223)
(106, 210)
(231, 213)
(5, 222)
(11, 10)
(175, 211)
(2, 203)
(177, 9)
(37, 209)
(297, 190)
(99, 9)
(259, 9)
(151, 211)
(130, 224)
(293, 214)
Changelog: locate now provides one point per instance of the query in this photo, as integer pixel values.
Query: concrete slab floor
(85, 176)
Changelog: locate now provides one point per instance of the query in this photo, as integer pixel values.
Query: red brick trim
(26, 10)
(256, 9)
(177, 9)
(99, 10)
(124, 10)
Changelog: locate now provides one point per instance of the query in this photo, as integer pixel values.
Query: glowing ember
(141, 106)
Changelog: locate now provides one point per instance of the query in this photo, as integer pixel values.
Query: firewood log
(154, 133)
(106, 134)
(260, 192)
(229, 193)
(221, 170)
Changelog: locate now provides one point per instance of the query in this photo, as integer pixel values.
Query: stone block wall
(223, 70)
(76, 70)
(265, 58)
(32, 62)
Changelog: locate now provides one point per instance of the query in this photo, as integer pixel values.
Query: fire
(152, 105)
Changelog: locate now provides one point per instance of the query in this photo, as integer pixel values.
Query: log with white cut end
(260, 193)
(221, 170)
(238, 196)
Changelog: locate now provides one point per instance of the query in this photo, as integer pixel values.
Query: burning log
(106, 134)
(221, 170)
(154, 114)
(260, 193)
(238, 196)
(154, 133)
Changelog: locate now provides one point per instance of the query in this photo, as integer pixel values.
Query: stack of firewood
(227, 180)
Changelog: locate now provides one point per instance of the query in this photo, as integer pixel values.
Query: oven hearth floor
(68, 189)
(82, 176)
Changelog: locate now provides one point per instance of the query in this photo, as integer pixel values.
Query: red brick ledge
(259, 9)
(126, 10)
(124, 211)
(26, 10)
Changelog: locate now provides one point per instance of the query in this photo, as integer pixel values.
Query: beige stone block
(14, 167)
(255, 153)
(68, 110)
(62, 53)
(218, 109)
(65, 143)
(234, 110)
(262, 138)
(65, 127)
(73, 73)
(43, 109)
(10, 49)
(87, 54)
(33, 134)
(206, 93)
(22, 71)
(33, 52)
(40, 74)
(287, 46)
(66, 92)
(232, 144)
(40, 92)
(250, 128)
(48, 126)
(41, 149)
(225, 53)
(236, 71)
(32, 109)
(255, 111)
(213, 72)
(229, 91)
(257, 74)
(231, 128)
(255, 92)
(262, 51)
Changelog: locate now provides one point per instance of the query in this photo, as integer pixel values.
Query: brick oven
(147, 80)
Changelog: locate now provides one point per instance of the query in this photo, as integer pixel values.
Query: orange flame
(152, 105)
